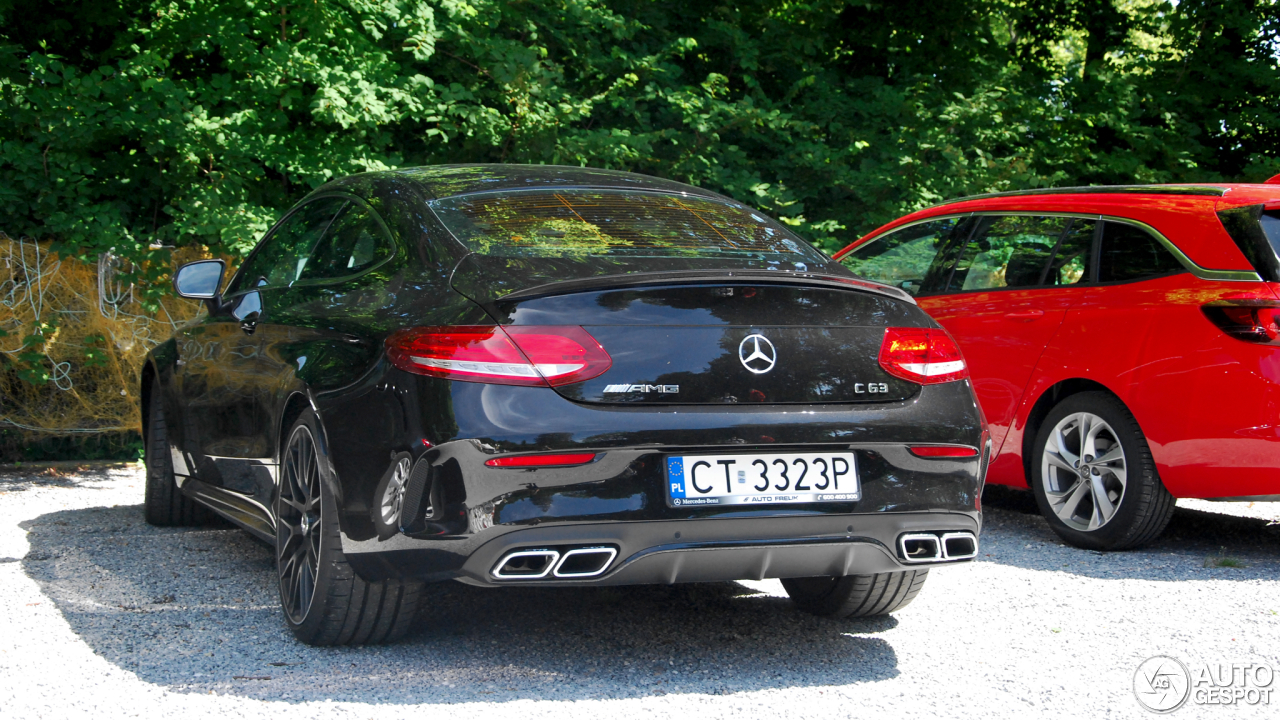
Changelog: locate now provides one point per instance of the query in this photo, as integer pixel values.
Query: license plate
(774, 478)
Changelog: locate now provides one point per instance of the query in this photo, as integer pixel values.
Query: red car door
(1006, 297)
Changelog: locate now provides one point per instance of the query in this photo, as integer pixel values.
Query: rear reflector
(1255, 321)
(555, 460)
(927, 356)
(515, 355)
(933, 451)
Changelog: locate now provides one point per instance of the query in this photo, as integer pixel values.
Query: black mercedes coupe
(531, 375)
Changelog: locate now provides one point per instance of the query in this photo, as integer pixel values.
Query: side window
(355, 241)
(1130, 253)
(281, 258)
(1007, 252)
(1070, 264)
(902, 258)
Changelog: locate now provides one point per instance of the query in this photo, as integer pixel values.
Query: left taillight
(1251, 320)
(536, 355)
(926, 356)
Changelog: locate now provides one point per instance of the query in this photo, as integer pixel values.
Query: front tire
(324, 601)
(163, 503)
(1094, 478)
(856, 595)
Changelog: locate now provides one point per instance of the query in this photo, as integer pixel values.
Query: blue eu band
(675, 476)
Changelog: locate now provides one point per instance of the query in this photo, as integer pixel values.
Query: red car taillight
(922, 355)
(1255, 321)
(516, 355)
(550, 460)
(936, 451)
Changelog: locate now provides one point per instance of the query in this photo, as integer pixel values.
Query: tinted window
(355, 241)
(1130, 253)
(250, 303)
(1070, 264)
(1006, 252)
(282, 256)
(902, 258)
(595, 223)
(1271, 228)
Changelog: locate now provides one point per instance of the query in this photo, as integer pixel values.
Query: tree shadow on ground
(195, 610)
(1197, 544)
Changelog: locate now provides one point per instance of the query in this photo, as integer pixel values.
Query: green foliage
(134, 124)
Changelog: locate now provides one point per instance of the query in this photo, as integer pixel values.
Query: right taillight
(927, 356)
(1255, 321)
(516, 355)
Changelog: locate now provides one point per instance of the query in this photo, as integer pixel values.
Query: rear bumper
(676, 551)
(460, 516)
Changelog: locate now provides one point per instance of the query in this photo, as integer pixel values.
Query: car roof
(441, 181)
(1213, 195)
(1257, 192)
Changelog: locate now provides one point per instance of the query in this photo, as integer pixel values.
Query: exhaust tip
(920, 547)
(585, 562)
(959, 546)
(526, 565)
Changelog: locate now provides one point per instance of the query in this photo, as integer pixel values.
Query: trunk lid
(713, 337)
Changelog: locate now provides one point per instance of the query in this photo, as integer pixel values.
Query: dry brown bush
(97, 335)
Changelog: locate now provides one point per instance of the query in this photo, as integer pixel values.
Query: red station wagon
(1122, 341)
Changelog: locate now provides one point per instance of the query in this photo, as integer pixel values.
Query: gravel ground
(108, 617)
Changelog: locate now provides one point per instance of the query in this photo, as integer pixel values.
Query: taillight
(922, 355)
(516, 355)
(943, 451)
(1255, 321)
(548, 460)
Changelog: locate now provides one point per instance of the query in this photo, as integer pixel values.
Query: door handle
(1024, 315)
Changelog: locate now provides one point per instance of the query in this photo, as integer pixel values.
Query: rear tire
(163, 502)
(324, 601)
(1118, 502)
(856, 595)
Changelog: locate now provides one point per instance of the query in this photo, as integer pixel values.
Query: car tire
(1112, 504)
(164, 504)
(856, 595)
(324, 601)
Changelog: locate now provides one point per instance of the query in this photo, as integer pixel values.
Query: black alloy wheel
(856, 595)
(324, 601)
(1093, 476)
(299, 525)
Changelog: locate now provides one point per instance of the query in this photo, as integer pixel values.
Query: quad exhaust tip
(928, 547)
(526, 565)
(959, 546)
(584, 562)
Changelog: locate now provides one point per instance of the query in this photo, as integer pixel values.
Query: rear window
(584, 223)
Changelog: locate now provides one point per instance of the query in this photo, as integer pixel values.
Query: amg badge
(642, 388)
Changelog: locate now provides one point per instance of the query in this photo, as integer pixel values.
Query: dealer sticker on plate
(762, 479)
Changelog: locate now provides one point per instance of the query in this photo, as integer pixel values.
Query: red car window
(1130, 253)
(902, 258)
(1008, 251)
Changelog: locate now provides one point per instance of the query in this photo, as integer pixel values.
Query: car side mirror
(201, 280)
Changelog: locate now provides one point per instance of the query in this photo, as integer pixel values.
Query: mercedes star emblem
(757, 354)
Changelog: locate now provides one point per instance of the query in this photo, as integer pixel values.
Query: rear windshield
(585, 223)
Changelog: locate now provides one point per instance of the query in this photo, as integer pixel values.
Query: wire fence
(73, 336)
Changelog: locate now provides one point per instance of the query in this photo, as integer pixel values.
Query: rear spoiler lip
(689, 277)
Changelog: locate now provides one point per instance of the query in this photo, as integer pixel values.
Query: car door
(320, 331)
(1006, 295)
(223, 365)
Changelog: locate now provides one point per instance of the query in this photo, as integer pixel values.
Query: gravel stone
(109, 617)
